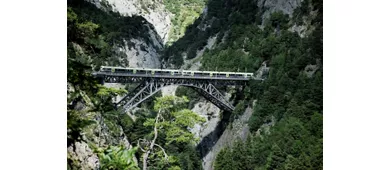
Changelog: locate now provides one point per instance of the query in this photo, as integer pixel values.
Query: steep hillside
(97, 37)
(110, 33)
(285, 36)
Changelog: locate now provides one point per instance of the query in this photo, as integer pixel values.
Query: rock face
(169, 90)
(152, 10)
(101, 133)
(300, 29)
(81, 152)
(139, 52)
(194, 64)
(311, 69)
(262, 71)
(239, 130)
(211, 113)
(141, 55)
(269, 6)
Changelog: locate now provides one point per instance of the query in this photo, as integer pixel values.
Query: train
(169, 72)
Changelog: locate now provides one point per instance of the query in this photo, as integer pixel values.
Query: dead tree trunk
(146, 154)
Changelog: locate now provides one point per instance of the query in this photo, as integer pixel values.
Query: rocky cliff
(153, 11)
(141, 49)
(139, 52)
(101, 133)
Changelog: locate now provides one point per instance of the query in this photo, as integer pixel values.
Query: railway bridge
(152, 80)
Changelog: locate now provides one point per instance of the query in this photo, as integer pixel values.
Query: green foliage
(288, 99)
(290, 145)
(191, 94)
(117, 158)
(97, 32)
(278, 20)
(219, 11)
(222, 161)
(178, 120)
(110, 92)
(173, 124)
(75, 124)
(185, 12)
(92, 34)
(87, 28)
(239, 108)
(189, 159)
(276, 159)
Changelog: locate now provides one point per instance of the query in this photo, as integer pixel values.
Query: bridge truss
(148, 86)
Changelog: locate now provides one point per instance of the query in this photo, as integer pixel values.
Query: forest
(289, 98)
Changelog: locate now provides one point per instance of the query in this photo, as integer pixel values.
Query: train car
(169, 72)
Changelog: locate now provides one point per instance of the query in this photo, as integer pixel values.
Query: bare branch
(146, 154)
(140, 146)
(165, 154)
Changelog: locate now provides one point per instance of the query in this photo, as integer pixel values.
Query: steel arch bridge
(152, 82)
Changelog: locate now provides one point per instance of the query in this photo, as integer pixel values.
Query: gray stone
(153, 11)
(270, 6)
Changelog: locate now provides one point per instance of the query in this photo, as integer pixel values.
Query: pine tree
(276, 159)
(290, 163)
(221, 160)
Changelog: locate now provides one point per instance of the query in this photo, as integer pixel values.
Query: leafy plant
(117, 157)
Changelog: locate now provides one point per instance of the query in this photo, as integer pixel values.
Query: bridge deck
(102, 74)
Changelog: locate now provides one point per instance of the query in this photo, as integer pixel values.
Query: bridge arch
(150, 87)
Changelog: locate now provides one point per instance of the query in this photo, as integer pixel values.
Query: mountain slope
(286, 36)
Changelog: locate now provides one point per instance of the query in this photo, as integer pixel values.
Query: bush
(191, 94)
(239, 109)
